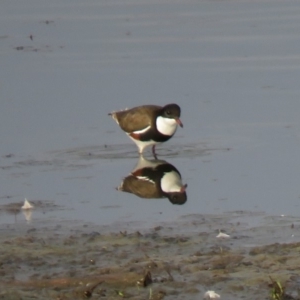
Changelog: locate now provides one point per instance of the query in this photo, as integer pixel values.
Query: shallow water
(233, 67)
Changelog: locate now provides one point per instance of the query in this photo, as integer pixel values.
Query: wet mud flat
(180, 260)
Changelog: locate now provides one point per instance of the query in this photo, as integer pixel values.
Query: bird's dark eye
(168, 112)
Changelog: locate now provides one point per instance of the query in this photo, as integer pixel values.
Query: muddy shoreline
(179, 260)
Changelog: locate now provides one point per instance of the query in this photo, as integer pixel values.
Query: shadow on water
(155, 179)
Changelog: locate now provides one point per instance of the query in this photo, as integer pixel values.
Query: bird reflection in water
(155, 179)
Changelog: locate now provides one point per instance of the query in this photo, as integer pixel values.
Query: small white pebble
(222, 235)
(211, 295)
(27, 205)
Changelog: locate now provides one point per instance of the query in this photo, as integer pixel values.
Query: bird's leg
(153, 152)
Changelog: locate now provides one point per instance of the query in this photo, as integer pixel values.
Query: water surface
(232, 66)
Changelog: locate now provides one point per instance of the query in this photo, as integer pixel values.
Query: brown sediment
(158, 263)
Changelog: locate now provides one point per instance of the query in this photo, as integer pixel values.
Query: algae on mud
(163, 262)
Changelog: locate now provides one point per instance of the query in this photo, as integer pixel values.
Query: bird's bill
(183, 188)
(179, 122)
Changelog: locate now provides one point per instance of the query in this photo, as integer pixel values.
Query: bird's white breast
(171, 182)
(166, 126)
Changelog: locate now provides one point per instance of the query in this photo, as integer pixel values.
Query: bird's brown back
(136, 118)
